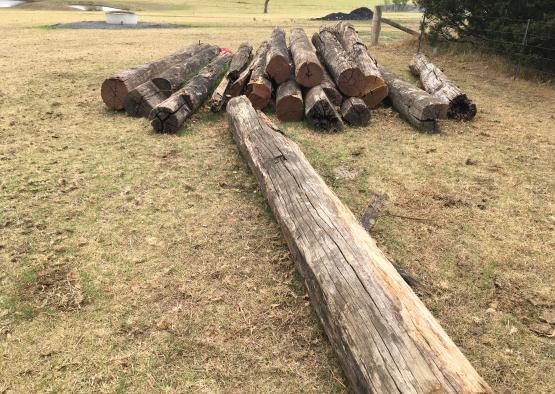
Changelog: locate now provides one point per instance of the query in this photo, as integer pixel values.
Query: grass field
(135, 262)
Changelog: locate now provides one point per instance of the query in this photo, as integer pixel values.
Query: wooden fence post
(376, 24)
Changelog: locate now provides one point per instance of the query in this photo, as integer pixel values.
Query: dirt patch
(358, 14)
(105, 26)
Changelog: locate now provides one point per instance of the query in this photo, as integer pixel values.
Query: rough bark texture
(259, 87)
(172, 79)
(385, 338)
(415, 105)
(278, 59)
(436, 83)
(308, 69)
(355, 111)
(320, 111)
(170, 115)
(330, 89)
(220, 97)
(141, 100)
(289, 102)
(348, 37)
(240, 61)
(347, 75)
(116, 87)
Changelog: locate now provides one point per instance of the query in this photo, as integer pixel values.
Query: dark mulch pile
(359, 14)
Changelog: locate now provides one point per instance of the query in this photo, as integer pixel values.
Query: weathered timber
(437, 84)
(241, 59)
(330, 89)
(385, 338)
(220, 96)
(117, 86)
(289, 102)
(376, 95)
(278, 59)
(376, 24)
(259, 87)
(308, 69)
(170, 115)
(349, 38)
(320, 111)
(141, 100)
(238, 86)
(355, 111)
(347, 75)
(417, 106)
(400, 27)
(172, 79)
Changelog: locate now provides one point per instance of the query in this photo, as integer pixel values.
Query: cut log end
(290, 109)
(355, 112)
(279, 69)
(259, 94)
(376, 96)
(350, 82)
(163, 121)
(309, 74)
(113, 92)
(163, 85)
(321, 112)
(461, 108)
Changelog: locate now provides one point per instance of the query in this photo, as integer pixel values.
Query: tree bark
(289, 102)
(308, 69)
(240, 61)
(385, 338)
(141, 100)
(348, 37)
(320, 111)
(170, 115)
(330, 89)
(220, 96)
(117, 86)
(355, 112)
(436, 83)
(418, 107)
(259, 87)
(347, 75)
(278, 59)
(172, 79)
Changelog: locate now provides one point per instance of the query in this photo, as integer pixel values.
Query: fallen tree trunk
(385, 338)
(347, 75)
(330, 89)
(417, 106)
(278, 59)
(141, 100)
(289, 102)
(170, 115)
(240, 61)
(259, 87)
(308, 69)
(117, 86)
(320, 111)
(355, 111)
(172, 79)
(348, 37)
(436, 83)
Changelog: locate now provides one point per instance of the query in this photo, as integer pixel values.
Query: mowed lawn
(136, 262)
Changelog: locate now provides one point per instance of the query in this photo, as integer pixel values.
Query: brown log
(437, 84)
(385, 338)
(330, 89)
(117, 86)
(220, 96)
(348, 37)
(418, 107)
(278, 59)
(170, 115)
(259, 87)
(355, 111)
(141, 100)
(308, 69)
(320, 111)
(289, 102)
(347, 75)
(241, 59)
(376, 96)
(173, 78)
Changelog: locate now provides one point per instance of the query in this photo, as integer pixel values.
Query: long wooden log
(437, 84)
(141, 100)
(355, 111)
(385, 338)
(400, 27)
(278, 59)
(220, 96)
(289, 102)
(241, 59)
(308, 69)
(259, 87)
(330, 89)
(117, 86)
(172, 79)
(349, 38)
(347, 75)
(320, 111)
(418, 107)
(170, 115)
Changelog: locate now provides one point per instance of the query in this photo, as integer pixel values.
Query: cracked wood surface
(385, 338)
(308, 69)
